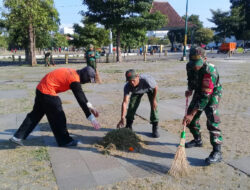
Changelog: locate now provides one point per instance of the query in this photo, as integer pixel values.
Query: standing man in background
(91, 56)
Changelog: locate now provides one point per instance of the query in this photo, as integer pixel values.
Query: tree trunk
(32, 54)
(118, 47)
(26, 54)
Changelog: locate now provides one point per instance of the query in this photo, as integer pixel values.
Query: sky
(69, 9)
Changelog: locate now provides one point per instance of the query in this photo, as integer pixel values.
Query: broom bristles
(98, 78)
(180, 165)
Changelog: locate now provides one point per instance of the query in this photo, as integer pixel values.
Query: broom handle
(186, 108)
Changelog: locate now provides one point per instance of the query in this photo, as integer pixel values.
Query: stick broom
(180, 165)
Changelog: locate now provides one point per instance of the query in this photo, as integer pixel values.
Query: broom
(98, 78)
(180, 165)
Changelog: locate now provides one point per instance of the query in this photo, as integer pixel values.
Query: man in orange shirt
(48, 103)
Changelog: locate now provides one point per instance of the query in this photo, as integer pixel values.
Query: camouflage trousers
(213, 119)
(134, 103)
(91, 63)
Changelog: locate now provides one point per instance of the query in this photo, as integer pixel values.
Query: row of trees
(34, 24)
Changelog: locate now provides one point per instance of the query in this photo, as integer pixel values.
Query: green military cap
(196, 54)
(130, 74)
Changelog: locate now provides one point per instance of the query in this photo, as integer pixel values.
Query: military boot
(196, 142)
(215, 156)
(155, 128)
(129, 124)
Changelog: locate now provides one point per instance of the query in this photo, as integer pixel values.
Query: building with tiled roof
(175, 21)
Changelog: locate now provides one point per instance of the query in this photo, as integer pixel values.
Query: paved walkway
(84, 167)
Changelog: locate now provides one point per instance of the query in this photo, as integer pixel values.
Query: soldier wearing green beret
(203, 79)
(91, 56)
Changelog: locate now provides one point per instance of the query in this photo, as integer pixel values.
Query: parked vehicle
(227, 47)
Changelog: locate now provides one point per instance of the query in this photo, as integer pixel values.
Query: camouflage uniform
(208, 92)
(91, 57)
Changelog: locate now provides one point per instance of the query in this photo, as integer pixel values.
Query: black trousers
(51, 106)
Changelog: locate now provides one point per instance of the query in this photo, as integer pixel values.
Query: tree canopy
(123, 16)
(29, 22)
(89, 34)
(234, 22)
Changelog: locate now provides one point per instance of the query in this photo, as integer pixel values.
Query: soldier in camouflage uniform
(91, 56)
(203, 79)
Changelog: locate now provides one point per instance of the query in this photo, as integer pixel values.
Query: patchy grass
(40, 154)
(25, 167)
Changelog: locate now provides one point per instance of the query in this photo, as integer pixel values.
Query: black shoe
(17, 141)
(194, 143)
(215, 156)
(155, 133)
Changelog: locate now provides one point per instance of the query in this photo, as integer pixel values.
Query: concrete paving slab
(179, 90)
(12, 94)
(66, 162)
(97, 161)
(242, 164)
(168, 109)
(110, 176)
(82, 182)
(9, 124)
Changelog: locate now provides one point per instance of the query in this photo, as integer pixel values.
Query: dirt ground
(234, 109)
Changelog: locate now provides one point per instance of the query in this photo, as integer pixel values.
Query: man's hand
(94, 122)
(92, 109)
(188, 93)
(187, 119)
(121, 123)
(94, 112)
(154, 104)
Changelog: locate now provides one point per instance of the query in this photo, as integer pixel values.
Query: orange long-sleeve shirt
(58, 81)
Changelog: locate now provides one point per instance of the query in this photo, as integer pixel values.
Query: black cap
(87, 74)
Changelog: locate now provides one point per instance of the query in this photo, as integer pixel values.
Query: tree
(153, 40)
(123, 16)
(175, 36)
(59, 40)
(28, 21)
(223, 23)
(196, 25)
(133, 39)
(244, 6)
(203, 36)
(240, 13)
(3, 38)
(89, 34)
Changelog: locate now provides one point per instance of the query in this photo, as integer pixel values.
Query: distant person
(140, 51)
(49, 59)
(203, 79)
(138, 85)
(91, 55)
(47, 102)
